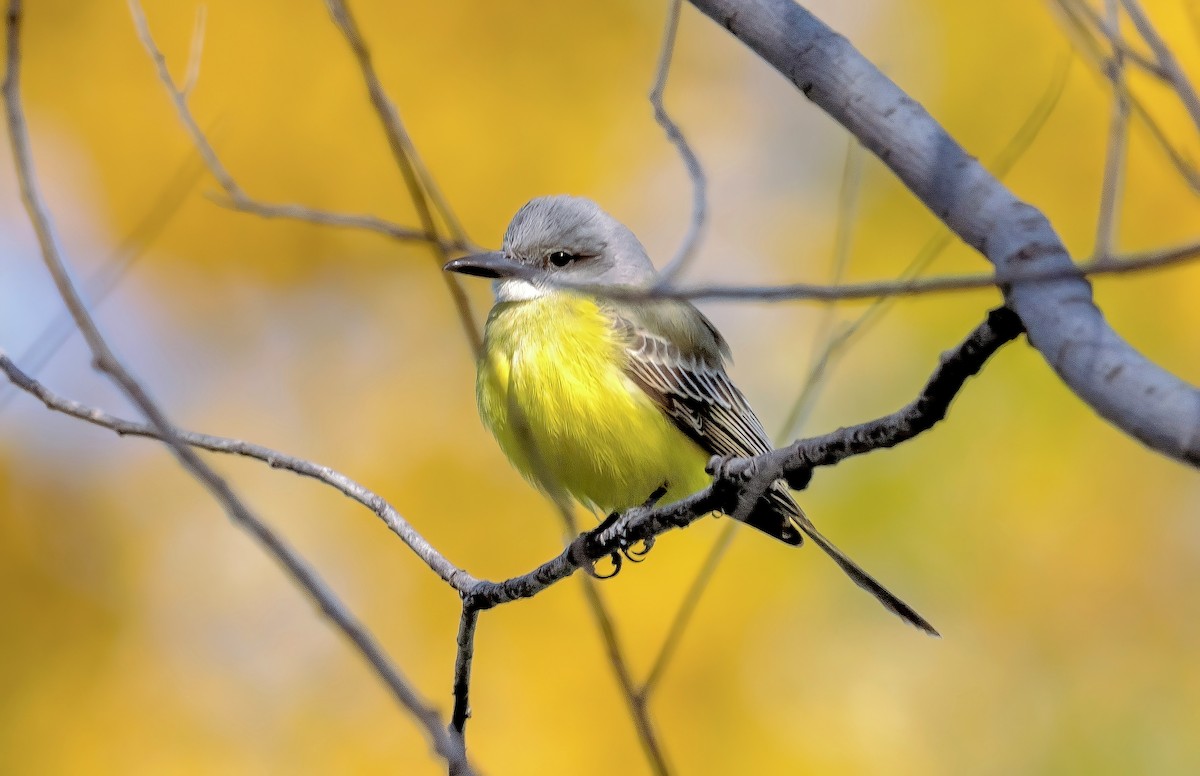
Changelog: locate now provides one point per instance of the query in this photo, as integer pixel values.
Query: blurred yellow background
(142, 633)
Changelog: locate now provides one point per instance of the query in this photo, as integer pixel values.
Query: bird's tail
(778, 515)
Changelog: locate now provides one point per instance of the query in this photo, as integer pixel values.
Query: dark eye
(561, 258)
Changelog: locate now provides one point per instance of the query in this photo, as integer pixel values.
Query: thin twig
(195, 52)
(1086, 43)
(167, 203)
(843, 232)
(236, 196)
(1085, 13)
(634, 699)
(687, 607)
(459, 579)
(1114, 159)
(1173, 72)
(106, 361)
(1003, 162)
(405, 155)
(823, 333)
(1161, 258)
(462, 671)
(691, 238)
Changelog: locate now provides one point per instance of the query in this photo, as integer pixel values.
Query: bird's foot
(636, 553)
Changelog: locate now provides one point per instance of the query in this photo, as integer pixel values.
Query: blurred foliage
(142, 634)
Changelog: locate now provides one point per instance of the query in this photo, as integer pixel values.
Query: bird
(611, 398)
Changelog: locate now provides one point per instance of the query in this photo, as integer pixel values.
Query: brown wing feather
(697, 395)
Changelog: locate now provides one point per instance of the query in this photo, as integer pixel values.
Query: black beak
(493, 264)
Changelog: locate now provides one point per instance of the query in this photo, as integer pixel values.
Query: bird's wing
(689, 384)
(676, 356)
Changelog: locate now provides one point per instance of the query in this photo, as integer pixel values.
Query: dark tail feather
(778, 505)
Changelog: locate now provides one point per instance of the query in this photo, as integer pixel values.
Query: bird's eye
(561, 258)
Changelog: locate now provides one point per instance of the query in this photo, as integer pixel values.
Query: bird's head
(560, 240)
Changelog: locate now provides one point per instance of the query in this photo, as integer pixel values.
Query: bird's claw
(635, 555)
(616, 561)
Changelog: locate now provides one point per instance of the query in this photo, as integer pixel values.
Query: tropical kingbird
(610, 400)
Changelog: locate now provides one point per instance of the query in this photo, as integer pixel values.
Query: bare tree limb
(1172, 72)
(1114, 159)
(113, 268)
(1084, 22)
(1018, 275)
(192, 73)
(462, 671)
(236, 197)
(457, 578)
(1031, 275)
(106, 361)
(1063, 323)
(634, 698)
(420, 186)
(691, 238)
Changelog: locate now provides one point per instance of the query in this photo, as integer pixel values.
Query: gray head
(565, 239)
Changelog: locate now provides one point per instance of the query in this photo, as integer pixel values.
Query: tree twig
(419, 183)
(462, 671)
(236, 197)
(106, 361)
(1114, 158)
(1172, 72)
(167, 203)
(691, 238)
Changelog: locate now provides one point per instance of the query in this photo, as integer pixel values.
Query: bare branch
(1011, 276)
(634, 699)
(237, 198)
(1087, 44)
(457, 578)
(691, 238)
(1172, 71)
(1066, 327)
(420, 185)
(106, 362)
(167, 203)
(687, 607)
(1114, 160)
(1084, 16)
(462, 671)
(192, 74)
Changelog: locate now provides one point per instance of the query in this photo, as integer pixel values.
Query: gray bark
(1060, 317)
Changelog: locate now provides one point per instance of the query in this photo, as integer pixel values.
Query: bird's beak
(493, 264)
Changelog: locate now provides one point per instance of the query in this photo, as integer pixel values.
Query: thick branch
(1063, 323)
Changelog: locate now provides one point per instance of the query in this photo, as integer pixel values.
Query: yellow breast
(553, 391)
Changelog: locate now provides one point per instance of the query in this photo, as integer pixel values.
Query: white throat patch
(518, 290)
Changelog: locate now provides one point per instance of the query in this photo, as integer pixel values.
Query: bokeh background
(142, 633)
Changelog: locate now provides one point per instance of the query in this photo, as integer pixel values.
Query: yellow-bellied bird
(608, 400)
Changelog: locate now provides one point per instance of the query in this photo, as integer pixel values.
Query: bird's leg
(606, 523)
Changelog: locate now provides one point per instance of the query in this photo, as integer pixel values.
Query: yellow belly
(555, 362)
